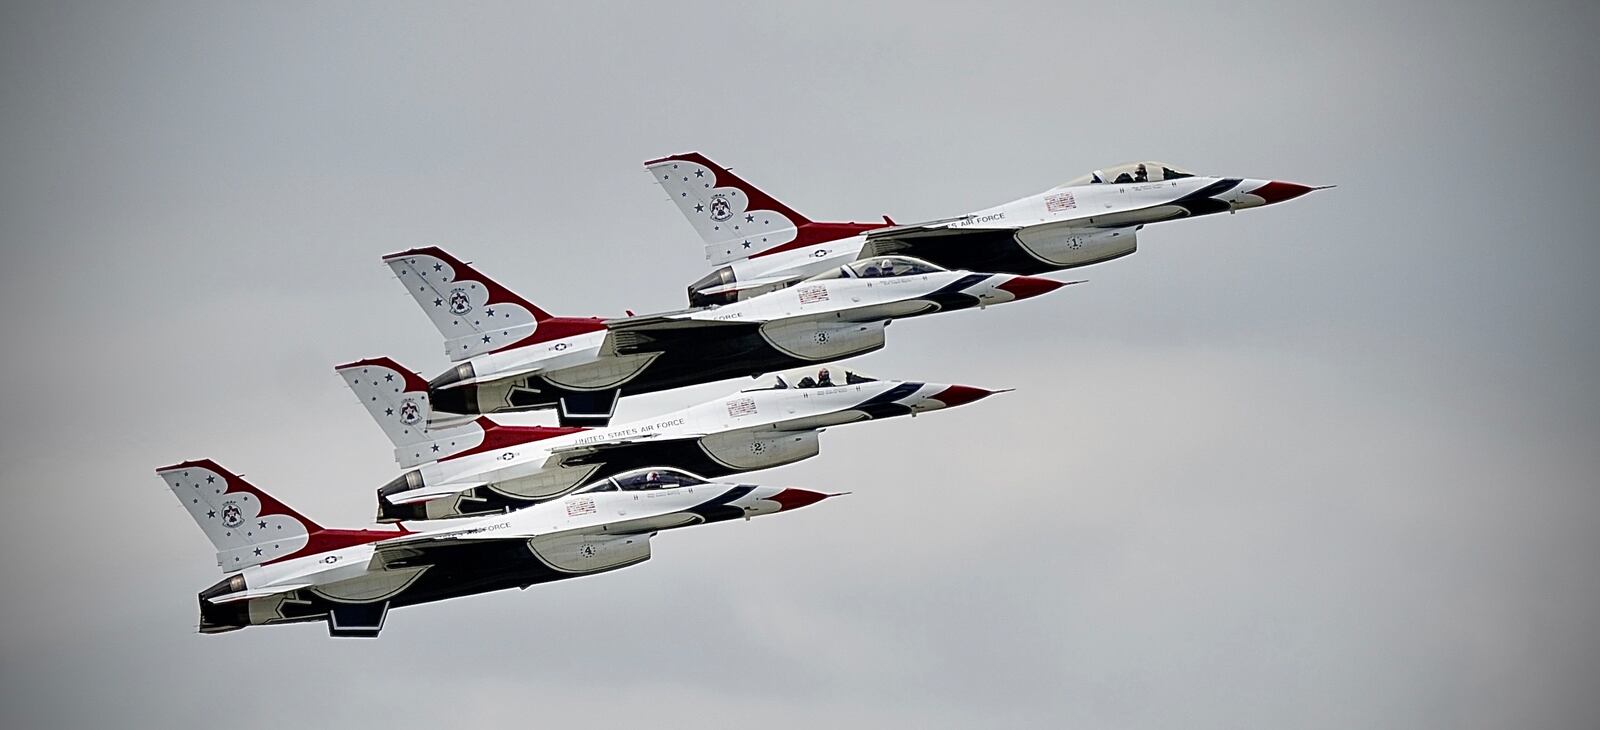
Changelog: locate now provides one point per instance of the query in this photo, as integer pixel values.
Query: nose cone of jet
(958, 395)
(1022, 287)
(792, 498)
(1276, 191)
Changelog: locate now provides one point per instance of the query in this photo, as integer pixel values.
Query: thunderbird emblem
(720, 210)
(459, 302)
(231, 515)
(410, 413)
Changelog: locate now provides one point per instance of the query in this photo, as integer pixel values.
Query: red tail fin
(475, 313)
(247, 525)
(736, 219)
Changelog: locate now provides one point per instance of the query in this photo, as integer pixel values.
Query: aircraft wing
(667, 321)
(908, 239)
(504, 531)
(430, 492)
(661, 332)
(577, 454)
(912, 230)
(612, 544)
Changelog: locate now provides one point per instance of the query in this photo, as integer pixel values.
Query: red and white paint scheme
(286, 569)
(512, 356)
(765, 244)
(248, 527)
(873, 291)
(477, 466)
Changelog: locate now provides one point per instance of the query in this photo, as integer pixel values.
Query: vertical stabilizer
(397, 399)
(474, 313)
(247, 526)
(736, 219)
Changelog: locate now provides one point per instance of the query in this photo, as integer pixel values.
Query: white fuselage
(748, 430)
(858, 300)
(578, 533)
(1082, 211)
(814, 321)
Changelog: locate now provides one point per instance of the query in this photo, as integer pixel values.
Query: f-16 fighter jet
(286, 568)
(515, 357)
(478, 466)
(767, 245)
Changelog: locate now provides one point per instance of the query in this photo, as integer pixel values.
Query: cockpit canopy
(1133, 172)
(826, 376)
(879, 267)
(642, 480)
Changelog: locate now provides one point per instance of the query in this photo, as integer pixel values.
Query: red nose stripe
(797, 498)
(957, 395)
(1023, 287)
(1277, 192)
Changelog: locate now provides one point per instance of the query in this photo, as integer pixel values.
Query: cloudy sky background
(1326, 464)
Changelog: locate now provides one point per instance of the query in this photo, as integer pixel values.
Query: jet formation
(478, 505)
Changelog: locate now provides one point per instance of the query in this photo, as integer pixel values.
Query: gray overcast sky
(1329, 464)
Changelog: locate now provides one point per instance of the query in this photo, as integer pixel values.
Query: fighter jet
(515, 357)
(476, 466)
(285, 568)
(762, 244)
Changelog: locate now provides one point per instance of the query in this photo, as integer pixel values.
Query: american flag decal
(1060, 201)
(813, 294)
(742, 407)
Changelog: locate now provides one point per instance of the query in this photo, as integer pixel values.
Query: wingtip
(418, 251)
(196, 464)
(687, 156)
(385, 361)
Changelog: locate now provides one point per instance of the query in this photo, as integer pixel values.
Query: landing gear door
(359, 620)
(591, 408)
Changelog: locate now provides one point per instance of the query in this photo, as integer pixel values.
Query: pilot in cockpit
(1133, 173)
(824, 380)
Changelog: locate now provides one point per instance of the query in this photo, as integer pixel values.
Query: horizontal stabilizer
(494, 376)
(259, 593)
